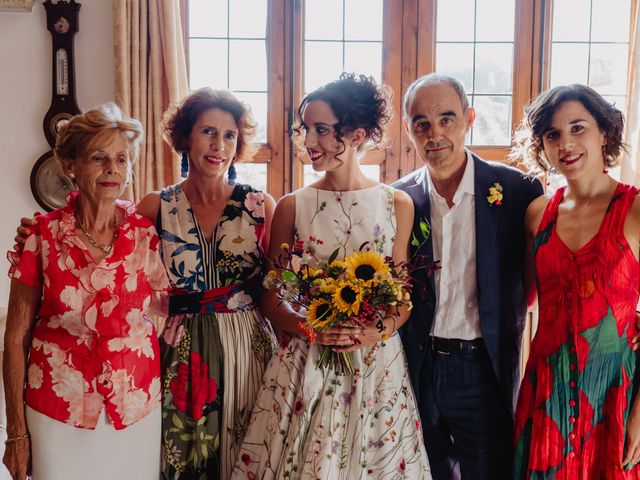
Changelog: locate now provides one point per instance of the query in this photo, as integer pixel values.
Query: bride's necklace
(104, 248)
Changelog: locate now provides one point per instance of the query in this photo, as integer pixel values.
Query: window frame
(409, 46)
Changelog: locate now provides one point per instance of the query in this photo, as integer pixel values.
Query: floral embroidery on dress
(313, 423)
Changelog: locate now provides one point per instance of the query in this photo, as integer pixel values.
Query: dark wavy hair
(179, 119)
(357, 102)
(528, 146)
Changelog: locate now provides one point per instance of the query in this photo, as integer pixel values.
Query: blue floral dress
(216, 343)
(310, 423)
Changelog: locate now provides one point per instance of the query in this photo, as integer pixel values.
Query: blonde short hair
(85, 132)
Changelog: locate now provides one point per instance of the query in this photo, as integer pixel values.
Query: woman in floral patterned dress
(216, 343)
(577, 415)
(82, 378)
(310, 422)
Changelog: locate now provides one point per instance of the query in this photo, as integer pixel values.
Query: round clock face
(58, 121)
(49, 184)
(61, 25)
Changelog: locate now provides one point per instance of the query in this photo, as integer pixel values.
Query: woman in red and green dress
(577, 416)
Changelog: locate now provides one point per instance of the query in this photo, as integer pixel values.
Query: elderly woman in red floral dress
(82, 363)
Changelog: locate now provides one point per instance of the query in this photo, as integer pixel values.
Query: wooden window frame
(409, 40)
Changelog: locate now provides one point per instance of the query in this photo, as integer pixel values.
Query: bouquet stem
(340, 362)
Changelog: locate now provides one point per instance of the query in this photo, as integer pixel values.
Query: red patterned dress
(577, 390)
(93, 345)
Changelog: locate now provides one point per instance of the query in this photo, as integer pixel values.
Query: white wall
(25, 96)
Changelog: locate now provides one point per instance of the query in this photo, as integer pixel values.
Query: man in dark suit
(463, 339)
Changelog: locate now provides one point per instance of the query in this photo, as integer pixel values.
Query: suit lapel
(419, 193)
(487, 218)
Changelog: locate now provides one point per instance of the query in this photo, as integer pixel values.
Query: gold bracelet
(16, 438)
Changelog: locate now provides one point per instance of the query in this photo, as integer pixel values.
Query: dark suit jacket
(500, 243)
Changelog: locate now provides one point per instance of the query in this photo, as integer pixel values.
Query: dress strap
(551, 210)
(618, 209)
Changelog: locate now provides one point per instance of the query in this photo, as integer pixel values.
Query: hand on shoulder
(149, 206)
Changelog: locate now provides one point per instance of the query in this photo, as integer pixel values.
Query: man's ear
(470, 117)
(405, 124)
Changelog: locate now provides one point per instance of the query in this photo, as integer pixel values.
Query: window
(228, 50)
(590, 45)
(339, 38)
(479, 52)
(504, 51)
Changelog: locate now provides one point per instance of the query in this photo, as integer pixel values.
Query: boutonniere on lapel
(495, 194)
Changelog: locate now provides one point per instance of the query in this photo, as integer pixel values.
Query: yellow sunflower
(319, 313)
(367, 266)
(347, 297)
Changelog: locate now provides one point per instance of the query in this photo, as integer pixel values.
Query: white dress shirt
(454, 244)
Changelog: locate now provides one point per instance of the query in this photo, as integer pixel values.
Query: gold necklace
(104, 248)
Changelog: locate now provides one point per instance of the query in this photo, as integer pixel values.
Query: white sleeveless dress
(309, 423)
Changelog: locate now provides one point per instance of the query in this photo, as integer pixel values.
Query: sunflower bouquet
(356, 291)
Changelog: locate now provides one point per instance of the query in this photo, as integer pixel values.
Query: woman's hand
(632, 445)
(341, 337)
(349, 339)
(17, 459)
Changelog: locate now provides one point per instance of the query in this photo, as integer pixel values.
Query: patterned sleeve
(26, 266)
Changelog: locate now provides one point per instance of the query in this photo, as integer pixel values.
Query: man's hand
(23, 231)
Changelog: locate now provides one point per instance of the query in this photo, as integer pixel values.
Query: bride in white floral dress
(310, 423)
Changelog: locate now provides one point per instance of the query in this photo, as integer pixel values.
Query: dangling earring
(605, 170)
(232, 174)
(72, 176)
(184, 165)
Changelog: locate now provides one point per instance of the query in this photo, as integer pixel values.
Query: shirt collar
(466, 183)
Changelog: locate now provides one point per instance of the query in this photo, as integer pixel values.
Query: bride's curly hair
(357, 101)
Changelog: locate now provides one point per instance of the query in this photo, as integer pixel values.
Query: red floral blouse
(93, 344)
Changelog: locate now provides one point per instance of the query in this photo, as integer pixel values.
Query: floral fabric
(216, 343)
(313, 423)
(578, 386)
(93, 345)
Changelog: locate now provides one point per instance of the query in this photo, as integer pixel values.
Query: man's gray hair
(433, 79)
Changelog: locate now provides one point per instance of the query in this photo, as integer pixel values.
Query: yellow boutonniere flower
(495, 194)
